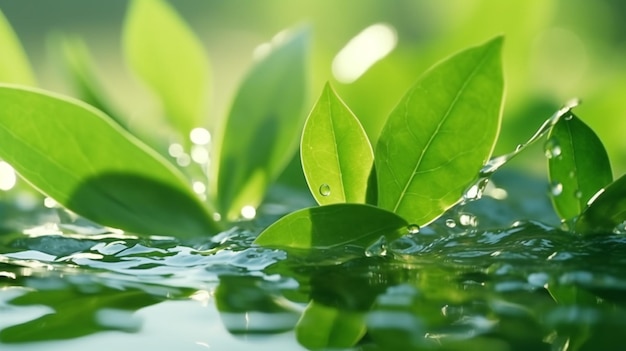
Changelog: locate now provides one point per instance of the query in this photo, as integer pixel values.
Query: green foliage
(82, 74)
(332, 225)
(14, 66)
(606, 211)
(578, 165)
(430, 151)
(260, 135)
(440, 135)
(95, 165)
(337, 158)
(79, 157)
(163, 51)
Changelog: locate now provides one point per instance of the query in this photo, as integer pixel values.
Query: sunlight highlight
(248, 212)
(363, 51)
(7, 176)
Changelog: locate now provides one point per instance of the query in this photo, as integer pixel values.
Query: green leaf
(163, 51)
(337, 158)
(332, 225)
(261, 134)
(606, 211)
(83, 76)
(14, 65)
(578, 165)
(441, 133)
(79, 157)
(324, 327)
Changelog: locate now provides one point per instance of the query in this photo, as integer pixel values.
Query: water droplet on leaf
(413, 228)
(578, 194)
(556, 189)
(324, 189)
(552, 148)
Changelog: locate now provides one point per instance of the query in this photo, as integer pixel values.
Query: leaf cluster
(101, 164)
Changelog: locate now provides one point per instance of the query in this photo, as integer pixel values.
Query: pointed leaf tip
(336, 155)
(441, 134)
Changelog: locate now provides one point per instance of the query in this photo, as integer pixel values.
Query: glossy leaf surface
(14, 65)
(79, 157)
(163, 51)
(440, 134)
(332, 225)
(578, 165)
(262, 130)
(606, 212)
(336, 155)
(324, 327)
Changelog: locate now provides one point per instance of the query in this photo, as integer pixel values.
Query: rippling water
(502, 284)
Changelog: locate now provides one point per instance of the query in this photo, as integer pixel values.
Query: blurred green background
(554, 50)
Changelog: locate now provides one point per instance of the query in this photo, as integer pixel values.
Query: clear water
(478, 279)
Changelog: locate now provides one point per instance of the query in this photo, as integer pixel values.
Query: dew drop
(571, 174)
(475, 192)
(552, 149)
(578, 194)
(556, 189)
(519, 147)
(413, 228)
(324, 189)
(568, 117)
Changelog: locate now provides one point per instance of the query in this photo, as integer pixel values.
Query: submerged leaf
(76, 155)
(326, 327)
(578, 165)
(332, 225)
(261, 133)
(337, 158)
(163, 51)
(14, 65)
(606, 211)
(440, 135)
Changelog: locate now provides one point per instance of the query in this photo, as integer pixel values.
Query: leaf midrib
(439, 125)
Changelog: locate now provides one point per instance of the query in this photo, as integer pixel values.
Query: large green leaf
(262, 129)
(336, 155)
(578, 165)
(606, 211)
(440, 134)
(163, 51)
(79, 157)
(332, 225)
(14, 65)
(324, 327)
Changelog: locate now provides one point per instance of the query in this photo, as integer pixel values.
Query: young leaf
(163, 51)
(336, 155)
(330, 226)
(440, 134)
(324, 327)
(261, 133)
(606, 211)
(14, 65)
(79, 157)
(578, 165)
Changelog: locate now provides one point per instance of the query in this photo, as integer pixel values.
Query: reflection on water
(497, 284)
